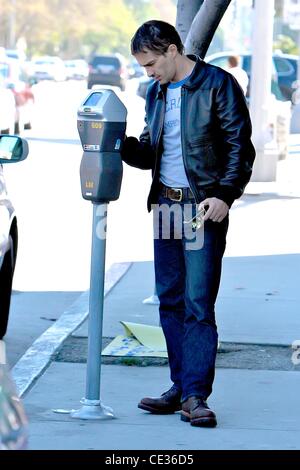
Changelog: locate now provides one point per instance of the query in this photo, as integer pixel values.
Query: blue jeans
(187, 283)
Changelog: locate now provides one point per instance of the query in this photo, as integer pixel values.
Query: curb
(36, 359)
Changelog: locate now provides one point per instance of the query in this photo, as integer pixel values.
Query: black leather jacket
(216, 135)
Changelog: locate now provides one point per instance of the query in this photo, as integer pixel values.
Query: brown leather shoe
(196, 411)
(167, 403)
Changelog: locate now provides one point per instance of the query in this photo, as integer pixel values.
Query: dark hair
(155, 36)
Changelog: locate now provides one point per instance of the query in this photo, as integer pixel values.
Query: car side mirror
(12, 149)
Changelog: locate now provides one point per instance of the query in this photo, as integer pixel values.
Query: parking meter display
(93, 99)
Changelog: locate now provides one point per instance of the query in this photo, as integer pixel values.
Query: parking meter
(101, 126)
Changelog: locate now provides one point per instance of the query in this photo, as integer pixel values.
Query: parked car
(295, 120)
(108, 70)
(284, 66)
(15, 54)
(12, 149)
(142, 88)
(76, 69)
(7, 110)
(48, 68)
(19, 87)
(135, 70)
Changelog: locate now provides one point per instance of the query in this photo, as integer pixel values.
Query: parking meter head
(101, 125)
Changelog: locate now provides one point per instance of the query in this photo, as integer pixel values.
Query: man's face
(161, 67)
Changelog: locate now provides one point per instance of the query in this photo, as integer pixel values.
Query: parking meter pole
(101, 125)
(92, 407)
(96, 307)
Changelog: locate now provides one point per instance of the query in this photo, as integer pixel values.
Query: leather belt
(176, 194)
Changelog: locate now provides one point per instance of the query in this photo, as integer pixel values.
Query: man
(239, 74)
(197, 143)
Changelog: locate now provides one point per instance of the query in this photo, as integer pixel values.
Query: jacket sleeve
(238, 152)
(138, 152)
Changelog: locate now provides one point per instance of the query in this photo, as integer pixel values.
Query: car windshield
(106, 61)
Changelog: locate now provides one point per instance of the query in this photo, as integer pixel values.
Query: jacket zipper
(182, 126)
(162, 116)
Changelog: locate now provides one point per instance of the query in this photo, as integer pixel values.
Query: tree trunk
(186, 12)
(204, 26)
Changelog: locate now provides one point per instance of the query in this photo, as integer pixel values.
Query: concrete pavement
(256, 410)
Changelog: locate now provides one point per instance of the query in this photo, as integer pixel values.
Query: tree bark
(204, 26)
(186, 12)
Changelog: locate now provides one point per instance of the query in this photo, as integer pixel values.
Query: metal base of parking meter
(92, 407)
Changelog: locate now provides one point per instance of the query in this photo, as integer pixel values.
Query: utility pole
(260, 92)
(12, 24)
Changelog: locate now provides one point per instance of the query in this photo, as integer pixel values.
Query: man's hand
(217, 209)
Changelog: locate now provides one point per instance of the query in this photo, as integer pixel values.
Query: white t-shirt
(172, 172)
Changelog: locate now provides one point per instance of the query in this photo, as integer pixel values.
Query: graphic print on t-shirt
(172, 172)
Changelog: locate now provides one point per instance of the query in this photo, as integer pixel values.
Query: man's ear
(173, 49)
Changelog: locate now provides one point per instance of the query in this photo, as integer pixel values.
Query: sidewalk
(258, 304)
(256, 410)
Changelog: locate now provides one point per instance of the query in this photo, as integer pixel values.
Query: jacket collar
(197, 74)
(194, 79)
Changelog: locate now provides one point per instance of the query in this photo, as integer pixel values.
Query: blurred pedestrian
(238, 73)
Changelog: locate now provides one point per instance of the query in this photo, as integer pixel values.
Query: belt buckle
(176, 198)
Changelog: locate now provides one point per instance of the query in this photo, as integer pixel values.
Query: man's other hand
(216, 209)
